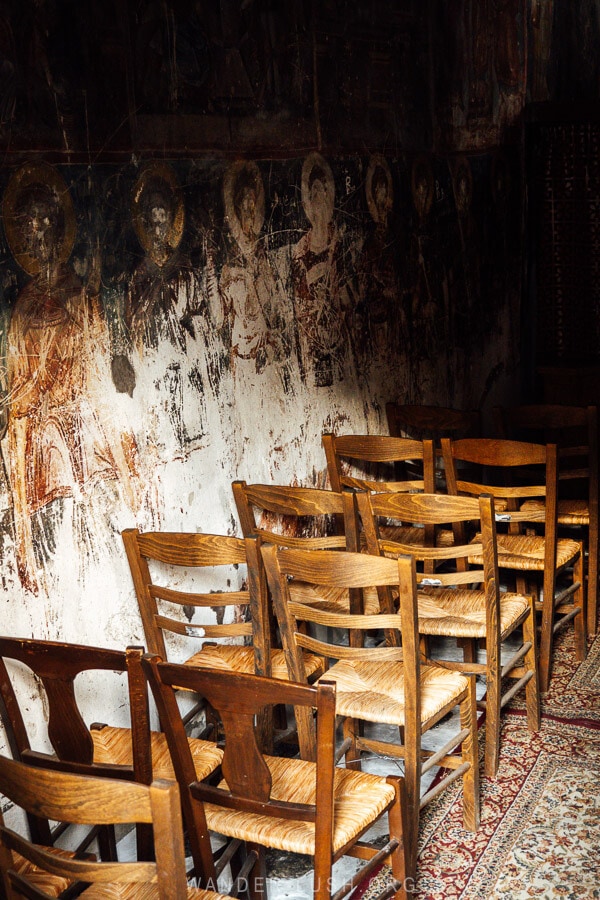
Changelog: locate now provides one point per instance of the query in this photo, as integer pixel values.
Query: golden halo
(316, 161)
(157, 177)
(248, 171)
(377, 161)
(51, 185)
(462, 183)
(421, 183)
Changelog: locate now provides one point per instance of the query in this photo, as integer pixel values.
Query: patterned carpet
(540, 821)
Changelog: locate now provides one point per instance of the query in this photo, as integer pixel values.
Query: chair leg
(592, 579)
(493, 698)
(352, 756)
(469, 649)
(532, 688)
(322, 874)
(412, 785)
(470, 754)
(579, 599)
(546, 634)
(397, 822)
(257, 878)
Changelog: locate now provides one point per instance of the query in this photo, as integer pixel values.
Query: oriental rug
(540, 817)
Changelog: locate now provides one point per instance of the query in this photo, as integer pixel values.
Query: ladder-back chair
(30, 869)
(575, 431)
(528, 545)
(462, 601)
(159, 563)
(380, 684)
(295, 805)
(133, 752)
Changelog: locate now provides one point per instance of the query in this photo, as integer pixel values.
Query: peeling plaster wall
(145, 376)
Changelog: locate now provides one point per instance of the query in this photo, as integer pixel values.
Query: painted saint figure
(163, 297)
(254, 308)
(380, 311)
(255, 317)
(319, 305)
(167, 310)
(56, 442)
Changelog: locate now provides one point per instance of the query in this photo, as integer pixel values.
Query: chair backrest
(181, 552)
(289, 516)
(574, 429)
(431, 422)
(353, 572)
(434, 509)
(499, 459)
(56, 665)
(87, 800)
(241, 700)
(353, 460)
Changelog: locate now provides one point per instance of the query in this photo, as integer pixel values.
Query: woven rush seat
(375, 690)
(358, 798)
(332, 599)
(234, 658)
(143, 892)
(53, 885)
(412, 534)
(462, 611)
(523, 551)
(113, 746)
(570, 512)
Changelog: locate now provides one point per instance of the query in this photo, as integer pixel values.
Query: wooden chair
(306, 518)
(159, 593)
(31, 870)
(373, 462)
(575, 430)
(379, 684)
(294, 805)
(421, 422)
(464, 602)
(537, 559)
(119, 752)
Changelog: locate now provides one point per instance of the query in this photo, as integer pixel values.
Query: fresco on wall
(320, 298)
(381, 326)
(59, 438)
(208, 321)
(480, 50)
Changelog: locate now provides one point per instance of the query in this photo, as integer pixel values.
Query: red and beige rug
(540, 817)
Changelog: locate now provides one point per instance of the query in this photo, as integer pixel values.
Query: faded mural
(201, 330)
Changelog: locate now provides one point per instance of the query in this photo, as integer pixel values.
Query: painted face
(160, 223)
(318, 193)
(382, 201)
(39, 229)
(247, 211)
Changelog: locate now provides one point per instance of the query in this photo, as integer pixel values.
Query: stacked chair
(378, 684)
(367, 462)
(463, 601)
(575, 431)
(160, 560)
(31, 869)
(133, 752)
(294, 805)
(338, 597)
(528, 546)
(305, 518)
